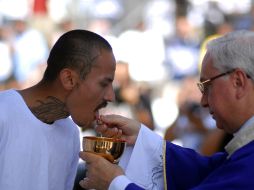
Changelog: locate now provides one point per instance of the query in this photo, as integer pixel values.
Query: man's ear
(69, 78)
(240, 83)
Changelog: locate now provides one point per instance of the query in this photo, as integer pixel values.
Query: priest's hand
(100, 172)
(119, 127)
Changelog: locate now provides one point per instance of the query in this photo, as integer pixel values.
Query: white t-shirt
(35, 155)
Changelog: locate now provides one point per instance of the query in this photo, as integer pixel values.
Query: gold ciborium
(109, 148)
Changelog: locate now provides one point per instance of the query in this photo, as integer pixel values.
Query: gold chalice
(109, 148)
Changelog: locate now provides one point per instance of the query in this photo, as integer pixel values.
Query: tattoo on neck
(49, 110)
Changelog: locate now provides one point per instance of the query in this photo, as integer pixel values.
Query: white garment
(35, 155)
(142, 164)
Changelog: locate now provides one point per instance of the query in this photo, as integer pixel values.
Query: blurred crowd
(158, 45)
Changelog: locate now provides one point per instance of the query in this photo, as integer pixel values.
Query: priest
(150, 162)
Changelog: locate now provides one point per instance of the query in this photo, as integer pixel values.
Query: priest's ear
(240, 83)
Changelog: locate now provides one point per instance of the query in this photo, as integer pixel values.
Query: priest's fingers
(108, 131)
(128, 126)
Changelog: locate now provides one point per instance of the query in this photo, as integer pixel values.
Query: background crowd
(158, 45)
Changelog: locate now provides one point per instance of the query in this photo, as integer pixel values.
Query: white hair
(233, 50)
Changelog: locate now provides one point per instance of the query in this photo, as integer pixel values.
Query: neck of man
(49, 109)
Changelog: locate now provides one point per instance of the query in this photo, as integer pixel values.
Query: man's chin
(87, 125)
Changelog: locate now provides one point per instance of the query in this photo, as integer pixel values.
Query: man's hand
(100, 172)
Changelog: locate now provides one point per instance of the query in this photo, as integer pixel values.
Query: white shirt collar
(241, 137)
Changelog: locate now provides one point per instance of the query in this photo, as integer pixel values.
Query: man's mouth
(97, 114)
(102, 105)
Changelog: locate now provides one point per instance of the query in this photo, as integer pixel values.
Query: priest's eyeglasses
(203, 86)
